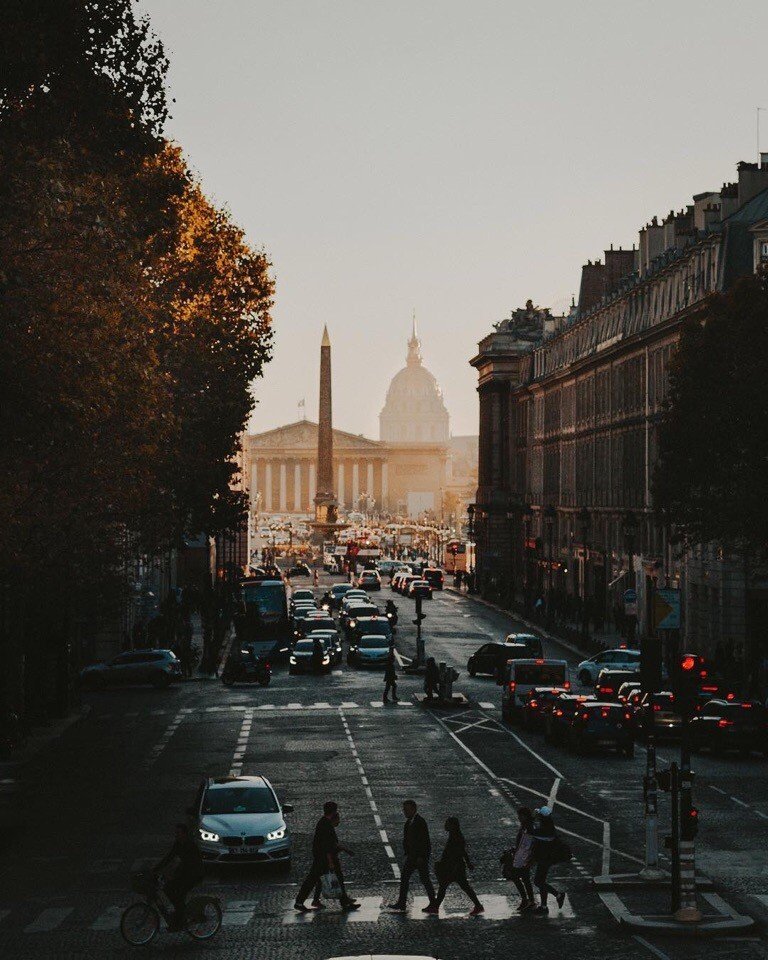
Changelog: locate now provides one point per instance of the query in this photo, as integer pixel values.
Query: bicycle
(140, 922)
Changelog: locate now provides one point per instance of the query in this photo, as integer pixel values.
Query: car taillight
(709, 689)
(725, 723)
(730, 696)
(267, 666)
(656, 707)
(604, 713)
(605, 690)
(567, 685)
(539, 661)
(558, 713)
(585, 716)
(512, 686)
(627, 716)
(746, 706)
(533, 704)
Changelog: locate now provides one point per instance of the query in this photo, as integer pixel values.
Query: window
(764, 251)
(228, 800)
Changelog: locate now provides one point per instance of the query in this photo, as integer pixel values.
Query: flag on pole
(302, 409)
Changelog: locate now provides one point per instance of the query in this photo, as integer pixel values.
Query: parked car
(609, 682)
(161, 668)
(530, 641)
(723, 725)
(602, 725)
(538, 704)
(241, 820)
(618, 659)
(370, 651)
(557, 723)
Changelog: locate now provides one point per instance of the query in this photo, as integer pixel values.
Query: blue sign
(630, 596)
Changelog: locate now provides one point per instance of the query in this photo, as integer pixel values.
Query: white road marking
(242, 744)
(487, 706)
(533, 753)
(162, 743)
(109, 920)
(717, 789)
(606, 848)
(49, 919)
(739, 802)
(369, 794)
(349, 705)
(238, 913)
(651, 948)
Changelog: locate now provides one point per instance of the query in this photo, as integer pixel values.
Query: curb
(633, 881)
(726, 921)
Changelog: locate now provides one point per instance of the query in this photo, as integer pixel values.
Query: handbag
(330, 885)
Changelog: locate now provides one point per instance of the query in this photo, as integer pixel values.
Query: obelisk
(325, 501)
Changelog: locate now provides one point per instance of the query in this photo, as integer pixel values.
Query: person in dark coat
(318, 655)
(325, 859)
(187, 871)
(431, 678)
(417, 848)
(390, 680)
(520, 857)
(452, 868)
(544, 835)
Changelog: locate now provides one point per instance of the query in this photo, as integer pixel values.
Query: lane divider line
(242, 743)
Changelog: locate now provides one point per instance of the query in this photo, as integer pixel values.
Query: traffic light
(689, 823)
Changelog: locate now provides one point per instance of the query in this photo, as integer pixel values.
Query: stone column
(283, 487)
(369, 480)
(298, 506)
(254, 480)
(384, 483)
(355, 484)
(268, 487)
(340, 484)
(312, 483)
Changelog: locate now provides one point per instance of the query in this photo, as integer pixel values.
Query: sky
(452, 157)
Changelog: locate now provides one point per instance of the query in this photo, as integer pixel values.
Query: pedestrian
(390, 679)
(431, 678)
(417, 848)
(325, 859)
(545, 854)
(452, 868)
(517, 860)
(185, 863)
(318, 655)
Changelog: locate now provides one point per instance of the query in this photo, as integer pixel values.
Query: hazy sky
(452, 157)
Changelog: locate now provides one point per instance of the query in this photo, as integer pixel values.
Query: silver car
(370, 650)
(158, 667)
(240, 820)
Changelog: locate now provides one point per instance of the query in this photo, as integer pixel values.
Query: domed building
(414, 410)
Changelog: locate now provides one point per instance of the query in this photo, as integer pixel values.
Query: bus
(262, 619)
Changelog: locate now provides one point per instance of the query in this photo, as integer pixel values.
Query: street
(102, 801)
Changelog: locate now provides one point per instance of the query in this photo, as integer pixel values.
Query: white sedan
(589, 670)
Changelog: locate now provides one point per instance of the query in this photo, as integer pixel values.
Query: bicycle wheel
(203, 917)
(139, 923)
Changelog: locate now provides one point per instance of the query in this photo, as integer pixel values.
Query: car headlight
(292, 660)
(353, 624)
(277, 834)
(326, 659)
(208, 836)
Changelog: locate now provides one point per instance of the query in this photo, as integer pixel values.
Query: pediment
(302, 435)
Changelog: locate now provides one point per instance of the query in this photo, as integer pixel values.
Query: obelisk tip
(326, 342)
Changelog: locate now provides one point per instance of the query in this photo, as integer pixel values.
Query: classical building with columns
(406, 472)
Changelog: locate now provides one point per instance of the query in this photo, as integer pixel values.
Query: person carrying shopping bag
(548, 850)
(516, 861)
(452, 868)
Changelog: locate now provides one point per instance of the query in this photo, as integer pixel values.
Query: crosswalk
(278, 707)
(240, 913)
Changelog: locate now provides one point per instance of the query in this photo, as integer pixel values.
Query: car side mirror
(287, 808)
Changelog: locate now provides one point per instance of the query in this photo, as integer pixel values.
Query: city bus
(262, 619)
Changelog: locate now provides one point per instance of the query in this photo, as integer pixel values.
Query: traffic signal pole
(687, 911)
(651, 870)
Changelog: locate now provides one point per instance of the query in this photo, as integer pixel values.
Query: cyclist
(187, 872)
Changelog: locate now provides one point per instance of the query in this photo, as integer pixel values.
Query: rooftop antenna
(759, 110)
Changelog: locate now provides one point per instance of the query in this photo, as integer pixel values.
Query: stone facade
(569, 413)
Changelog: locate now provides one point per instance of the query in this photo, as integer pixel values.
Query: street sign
(666, 609)
(630, 596)
(630, 603)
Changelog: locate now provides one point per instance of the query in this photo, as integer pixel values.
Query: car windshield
(268, 597)
(338, 588)
(540, 673)
(304, 646)
(239, 800)
(373, 643)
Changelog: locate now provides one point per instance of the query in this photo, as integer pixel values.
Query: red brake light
(746, 706)
(656, 707)
(604, 713)
(512, 685)
(539, 661)
(533, 704)
(585, 716)
(558, 713)
(688, 663)
(709, 689)
(627, 716)
(730, 696)
(567, 685)
(725, 723)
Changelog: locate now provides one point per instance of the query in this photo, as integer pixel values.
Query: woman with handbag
(516, 862)
(452, 868)
(547, 850)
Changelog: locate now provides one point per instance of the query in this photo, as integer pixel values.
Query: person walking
(452, 868)
(431, 678)
(518, 860)
(544, 853)
(390, 679)
(325, 859)
(417, 848)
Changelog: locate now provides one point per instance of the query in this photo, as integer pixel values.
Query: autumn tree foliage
(133, 313)
(712, 475)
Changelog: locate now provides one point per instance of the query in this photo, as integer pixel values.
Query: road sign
(630, 603)
(630, 596)
(666, 609)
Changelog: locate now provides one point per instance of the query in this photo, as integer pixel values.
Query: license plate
(242, 851)
(605, 743)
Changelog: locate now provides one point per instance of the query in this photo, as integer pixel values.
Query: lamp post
(527, 521)
(550, 515)
(629, 527)
(585, 522)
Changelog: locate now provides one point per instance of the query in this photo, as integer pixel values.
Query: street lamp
(585, 522)
(550, 515)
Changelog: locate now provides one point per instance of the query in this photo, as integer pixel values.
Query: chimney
(651, 243)
(592, 287)
(752, 180)
(618, 264)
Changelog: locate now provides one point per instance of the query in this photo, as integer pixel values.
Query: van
(521, 676)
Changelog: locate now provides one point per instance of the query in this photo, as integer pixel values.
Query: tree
(712, 472)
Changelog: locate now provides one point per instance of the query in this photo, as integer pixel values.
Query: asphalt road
(101, 801)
